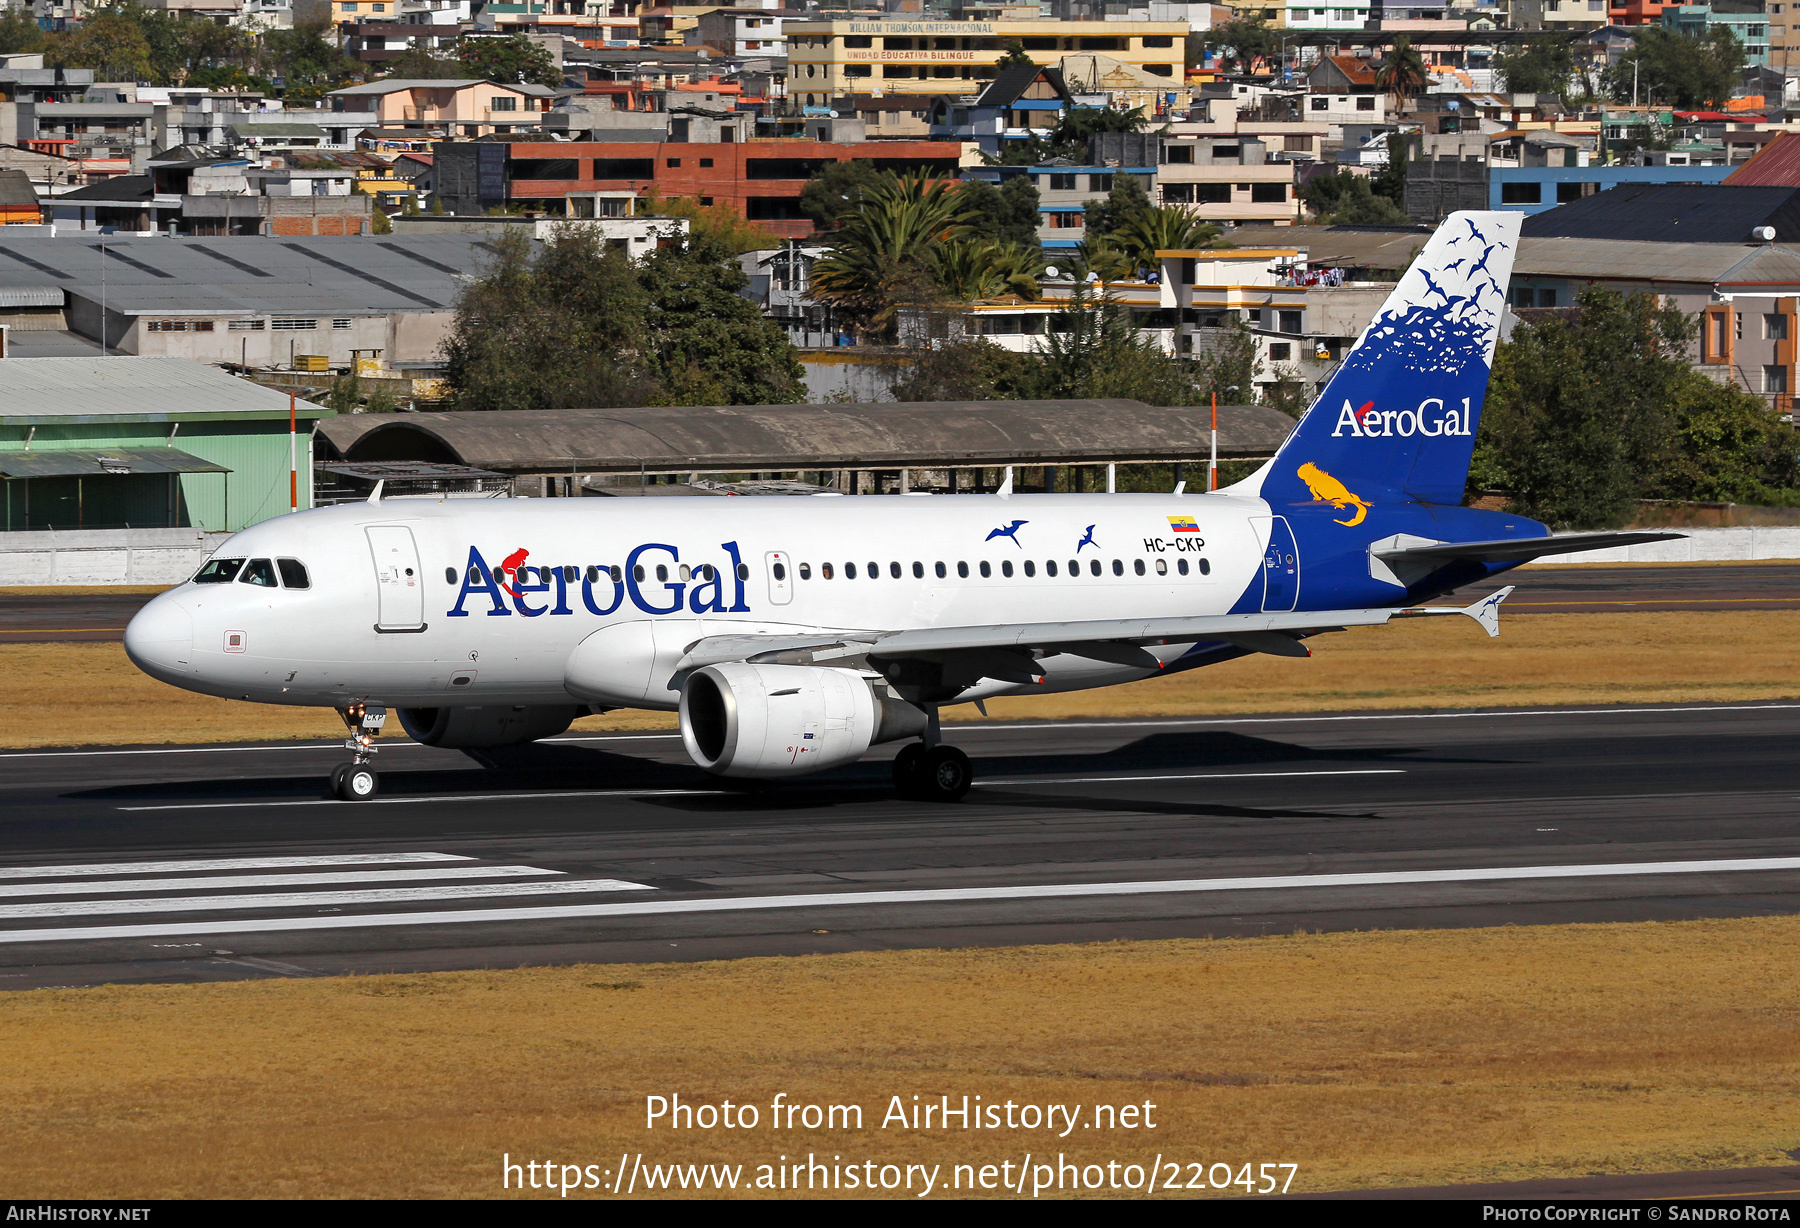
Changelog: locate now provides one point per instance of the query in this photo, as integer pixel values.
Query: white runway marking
(313, 899)
(666, 907)
(1021, 782)
(224, 863)
(115, 886)
(386, 744)
(460, 797)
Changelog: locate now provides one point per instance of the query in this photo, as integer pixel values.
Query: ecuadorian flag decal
(1183, 524)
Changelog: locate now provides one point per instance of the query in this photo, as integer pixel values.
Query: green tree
(1578, 410)
(111, 43)
(1239, 42)
(1288, 392)
(970, 369)
(1226, 364)
(512, 60)
(1125, 203)
(837, 190)
(420, 64)
(309, 65)
(1348, 199)
(1094, 350)
(20, 32)
(969, 270)
(1390, 180)
(556, 329)
(710, 344)
(1015, 57)
(721, 224)
(1008, 213)
(379, 222)
(1070, 138)
(1727, 446)
(1402, 72)
(1678, 69)
(1541, 65)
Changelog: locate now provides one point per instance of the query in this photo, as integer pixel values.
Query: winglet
(1487, 610)
(375, 495)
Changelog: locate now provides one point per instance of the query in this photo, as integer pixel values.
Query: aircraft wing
(1009, 651)
(1511, 549)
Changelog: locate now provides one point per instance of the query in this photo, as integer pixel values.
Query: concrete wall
(1700, 545)
(105, 556)
(849, 375)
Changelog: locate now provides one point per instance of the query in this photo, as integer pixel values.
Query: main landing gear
(356, 781)
(929, 771)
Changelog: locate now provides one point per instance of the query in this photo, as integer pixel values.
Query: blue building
(1533, 189)
(1744, 18)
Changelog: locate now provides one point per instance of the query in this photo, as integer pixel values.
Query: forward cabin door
(781, 577)
(1281, 568)
(397, 579)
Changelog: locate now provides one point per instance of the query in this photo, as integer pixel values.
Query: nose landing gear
(357, 781)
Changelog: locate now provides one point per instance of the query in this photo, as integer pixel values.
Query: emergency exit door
(398, 583)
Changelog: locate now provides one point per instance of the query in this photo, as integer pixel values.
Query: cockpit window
(293, 573)
(219, 571)
(259, 572)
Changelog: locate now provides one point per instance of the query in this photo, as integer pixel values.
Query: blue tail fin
(1396, 423)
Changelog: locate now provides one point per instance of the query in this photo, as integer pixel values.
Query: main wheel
(358, 783)
(947, 774)
(909, 769)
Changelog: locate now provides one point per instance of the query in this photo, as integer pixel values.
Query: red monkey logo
(509, 566)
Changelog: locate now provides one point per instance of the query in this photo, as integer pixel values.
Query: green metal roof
(105, 462)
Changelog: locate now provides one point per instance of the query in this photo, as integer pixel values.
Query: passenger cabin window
(219, 571)
(293, 573)
(806, 571)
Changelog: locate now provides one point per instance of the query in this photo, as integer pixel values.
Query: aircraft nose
(160, 638)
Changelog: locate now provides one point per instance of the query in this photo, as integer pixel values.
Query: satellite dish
(1093, 277)
(1763, 234)
(1051, 271)
(833, 114)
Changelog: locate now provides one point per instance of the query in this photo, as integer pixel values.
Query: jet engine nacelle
(485, 728)
(767, 721)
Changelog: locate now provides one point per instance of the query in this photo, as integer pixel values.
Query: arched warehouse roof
(722, 438)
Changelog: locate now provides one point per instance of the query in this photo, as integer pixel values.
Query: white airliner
(791, 634)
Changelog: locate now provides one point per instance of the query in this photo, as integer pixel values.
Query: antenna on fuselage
(375, 495)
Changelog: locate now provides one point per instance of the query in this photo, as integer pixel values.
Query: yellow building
(891, 55)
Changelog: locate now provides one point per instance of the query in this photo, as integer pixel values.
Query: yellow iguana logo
(1327, 489)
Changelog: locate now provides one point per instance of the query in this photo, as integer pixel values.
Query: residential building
(1571, 15)
(742, 32)
(1023, 102)
(1229, 180)
(891, 116)
(636, 235)
(827, 58)
(1064, 192)
(1302, 317)
(1748, 21)
(1339, 16)
(373, 41)
(761, 179)
(467, 108)
(144, 442)
(1537, 190)
(1636, 12)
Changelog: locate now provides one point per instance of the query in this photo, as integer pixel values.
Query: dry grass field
(1369, 1059)
(89, 693)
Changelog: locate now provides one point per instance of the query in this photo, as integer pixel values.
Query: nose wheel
(357, 781)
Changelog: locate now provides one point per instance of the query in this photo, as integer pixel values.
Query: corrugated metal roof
(1704, 264)
(718, 438)
(251, 275)
(81, 462)
(1776, 164)
(1673, 213)
(127, 386)
(30, 296)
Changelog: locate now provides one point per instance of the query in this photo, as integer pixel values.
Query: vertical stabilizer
(1396, 422)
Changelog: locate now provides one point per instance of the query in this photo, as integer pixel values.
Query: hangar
(854, 448)
(144, 443)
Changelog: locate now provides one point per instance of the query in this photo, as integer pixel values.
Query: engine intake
(770, 721)
(486, 728)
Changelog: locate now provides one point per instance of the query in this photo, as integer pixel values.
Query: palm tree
(1403, 72)
(882, 254)
(1162, 229)
(969, 270)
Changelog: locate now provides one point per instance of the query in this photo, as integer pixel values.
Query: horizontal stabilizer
(1515, 549)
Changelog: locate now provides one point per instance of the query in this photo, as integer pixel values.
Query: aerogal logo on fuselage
(604, 588)
(1430, 419)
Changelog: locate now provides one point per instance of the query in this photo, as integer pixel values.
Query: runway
(44, 618)
(222, 862)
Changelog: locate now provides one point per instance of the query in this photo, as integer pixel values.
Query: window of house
(706, 162)
(505, 102)
(1212, 193)
(291, 324)
(1775, 326)
(1775, 379)
(1365, 103)
(1290, 321)
(1178, 193)
(1178, 155)
(1321, 103)
(1297, 144)
(340, 323)
(1268, 193)
(1281, 352)
(246, 326)
(1062, 183)
(1521, 193)
(1100, 183)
